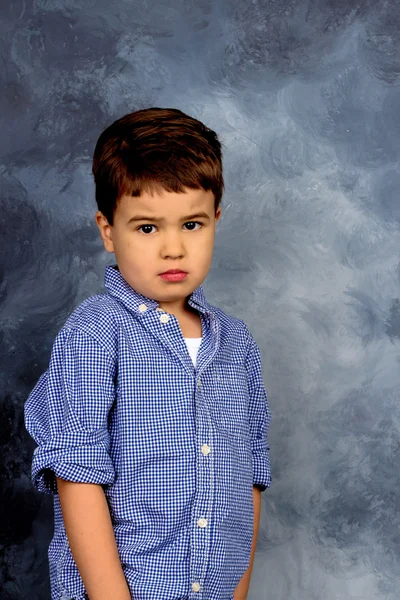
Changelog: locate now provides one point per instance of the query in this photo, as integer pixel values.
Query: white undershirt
(193, 345)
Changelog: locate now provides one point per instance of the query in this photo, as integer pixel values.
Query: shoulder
(228, 322)
(234, 332)
(96, 318)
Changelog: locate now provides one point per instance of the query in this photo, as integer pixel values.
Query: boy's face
(156, 233)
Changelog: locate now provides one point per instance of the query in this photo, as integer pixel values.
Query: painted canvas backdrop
(305, 97)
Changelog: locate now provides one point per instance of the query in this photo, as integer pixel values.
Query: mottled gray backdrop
(305, 96)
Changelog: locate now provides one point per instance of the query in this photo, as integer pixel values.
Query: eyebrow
(200, 215)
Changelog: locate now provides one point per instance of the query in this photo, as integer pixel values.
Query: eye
(191, 223)
(143, 227)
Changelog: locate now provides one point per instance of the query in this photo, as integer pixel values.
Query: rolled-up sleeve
(259, 417)
(67, 413)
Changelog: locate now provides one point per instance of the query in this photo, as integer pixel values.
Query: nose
(172, 245)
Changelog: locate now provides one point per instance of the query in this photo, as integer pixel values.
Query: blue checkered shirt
(176, 447)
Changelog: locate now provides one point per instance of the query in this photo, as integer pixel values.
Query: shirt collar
(120, 288)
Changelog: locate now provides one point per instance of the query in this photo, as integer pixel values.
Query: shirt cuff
(74, 457)
(259, 486)
(261, 464)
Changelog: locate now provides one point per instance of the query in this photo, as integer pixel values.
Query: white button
(142, 308)
(202, 522)
(205, 449)
(198, 382)
(164, 318)
(196, 586)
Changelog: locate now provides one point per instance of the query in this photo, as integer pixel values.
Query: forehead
(165, 203)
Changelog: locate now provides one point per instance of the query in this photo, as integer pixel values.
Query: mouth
(173, 275)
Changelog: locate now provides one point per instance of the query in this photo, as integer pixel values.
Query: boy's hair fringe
(155, 149)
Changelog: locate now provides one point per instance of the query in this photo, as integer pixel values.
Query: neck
(178, 307)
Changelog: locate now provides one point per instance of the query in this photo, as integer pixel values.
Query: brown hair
(154, 149)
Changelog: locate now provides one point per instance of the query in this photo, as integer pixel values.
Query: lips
(174, 275)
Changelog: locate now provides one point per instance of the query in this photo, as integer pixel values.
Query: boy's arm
(259, 416)
(259, 421)
(91, 538)
(243, 585)
(67, 415)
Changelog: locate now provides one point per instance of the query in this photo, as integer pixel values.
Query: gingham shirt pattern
(177, 447)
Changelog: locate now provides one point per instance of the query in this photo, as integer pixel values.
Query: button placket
(202, 522)
(205, 449)
(202, 509)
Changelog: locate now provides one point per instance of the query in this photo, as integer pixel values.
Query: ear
(105, 231)
(218, 213)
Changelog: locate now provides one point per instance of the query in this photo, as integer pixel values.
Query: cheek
(136, 245)
(207, 241)
(122, 240)
(130, 251)
(209, 246)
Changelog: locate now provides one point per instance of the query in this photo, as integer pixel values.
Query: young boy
(152, 418)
